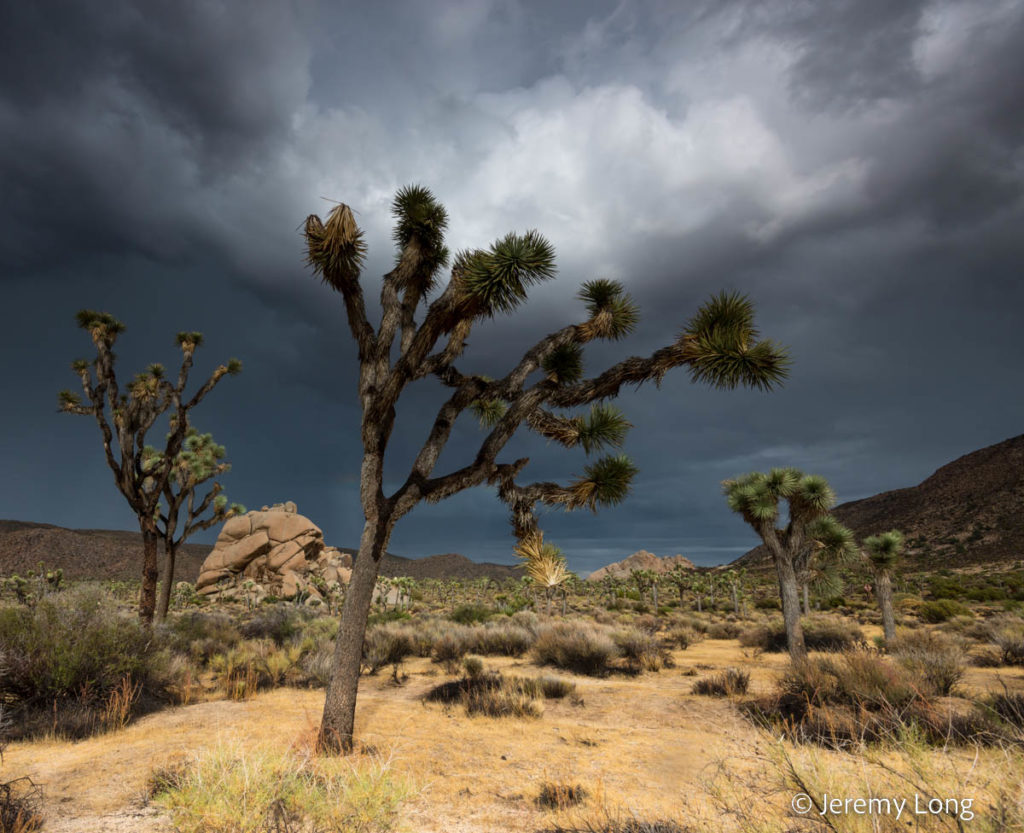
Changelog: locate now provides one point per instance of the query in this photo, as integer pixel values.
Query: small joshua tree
(719, 345)
(884, 552)
(810, 530)
(200, 461)
(124, 420)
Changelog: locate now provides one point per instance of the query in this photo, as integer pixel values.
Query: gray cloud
(855, 167)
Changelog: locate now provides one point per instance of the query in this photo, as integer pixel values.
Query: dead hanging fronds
(544, 563)
(336, 250)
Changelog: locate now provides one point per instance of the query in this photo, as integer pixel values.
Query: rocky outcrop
(641, 560)
(275, 551)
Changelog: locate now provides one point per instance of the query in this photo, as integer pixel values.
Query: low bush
(386, 645)
(502, 639)
(933, 657)
(575, 646)
(821, 633)
(75, 666)
(1007, 634)
(724, 630)
(558, 795)
(640, 649)
(450, 647)
(494, 695)
(726, 683)
(200, 634)
(941, 610)
(470, 614)
(280, 623)
(683, 636)
(859, 697)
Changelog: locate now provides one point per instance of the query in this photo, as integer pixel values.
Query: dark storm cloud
(856, 167)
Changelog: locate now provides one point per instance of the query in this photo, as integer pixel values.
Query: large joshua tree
(416, 339)
(884, 552)
(811, 532)
(140, 473)
(200, 461)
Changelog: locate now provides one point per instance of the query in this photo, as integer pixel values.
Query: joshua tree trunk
(735, 599)
(654, 598)
(699, 604)
(150, 571)
(338, 724)
(565, 599)
(788, 591)
(807, 599)
(164, 602)
(883, 589)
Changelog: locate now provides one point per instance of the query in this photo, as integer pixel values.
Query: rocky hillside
(641, 560)
(970, 512)
(111, 554)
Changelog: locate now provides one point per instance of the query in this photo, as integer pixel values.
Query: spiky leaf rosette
(189, 340)
(752, 497)
(336, 250)
(564, 364)
(497, 280)
(613, 315)
(833, 539)
(886, 549)
(102, 326)
(811, 497)
(722, 347)
(605, 426)
(422, 218)
(606, 482)
(68, 400)
(488, 411)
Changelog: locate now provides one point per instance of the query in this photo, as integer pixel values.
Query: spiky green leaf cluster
(613, 311)
(564, 364)
(420, 216)
(80, 365)
(101, 325)
(885, 550)
(498, 279)
(488, 411)
(67, 400)
(604, 426)
(234, 366)
(189, 339)
(833, 539)
(723, 346)
(754, 496)
(606, 481)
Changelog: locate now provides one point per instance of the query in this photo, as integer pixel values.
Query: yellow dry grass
(642, 744)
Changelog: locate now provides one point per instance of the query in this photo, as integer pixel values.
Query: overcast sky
(856, 167)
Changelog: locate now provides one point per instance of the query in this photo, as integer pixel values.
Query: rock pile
(275, 551)
(642, 560)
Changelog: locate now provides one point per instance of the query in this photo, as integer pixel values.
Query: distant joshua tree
(810, 529)
(884, 552)
(141, 473)
(719, 345)
(200, 461)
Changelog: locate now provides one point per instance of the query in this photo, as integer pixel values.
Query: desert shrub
(859, 697)
(19, 798)
(279, 623)
(503, 639)
(933, 657)
(821, 633)
(639, 648)
(1009, 705)
(469, 614)
(723, 630)
(256, 664)
(694, 623)
(76, 666)
(450, 647)
(575, 646)
(647, 622)
(491, 695)
(559, 795)
(683, 636)
(726, 683)
(555, 688)
(630, 824)
(200, 634)
(941, 610)
(1007, 634)
(386, 645)
(473, 666)
(526, 619)
(317, 665)
(232, 790)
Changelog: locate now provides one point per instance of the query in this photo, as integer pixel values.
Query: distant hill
(113, 554)
(641, 560)
(969, 512)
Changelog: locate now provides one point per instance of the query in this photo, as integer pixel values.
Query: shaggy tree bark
(719, 345)
(140, 472)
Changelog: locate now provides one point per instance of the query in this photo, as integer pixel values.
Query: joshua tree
(755, 497)
(545, 565)
(884, 552)
(199, 461)
(680, 578)
(644, 581)
(719, 345)
(124, 419)
(735, 578)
